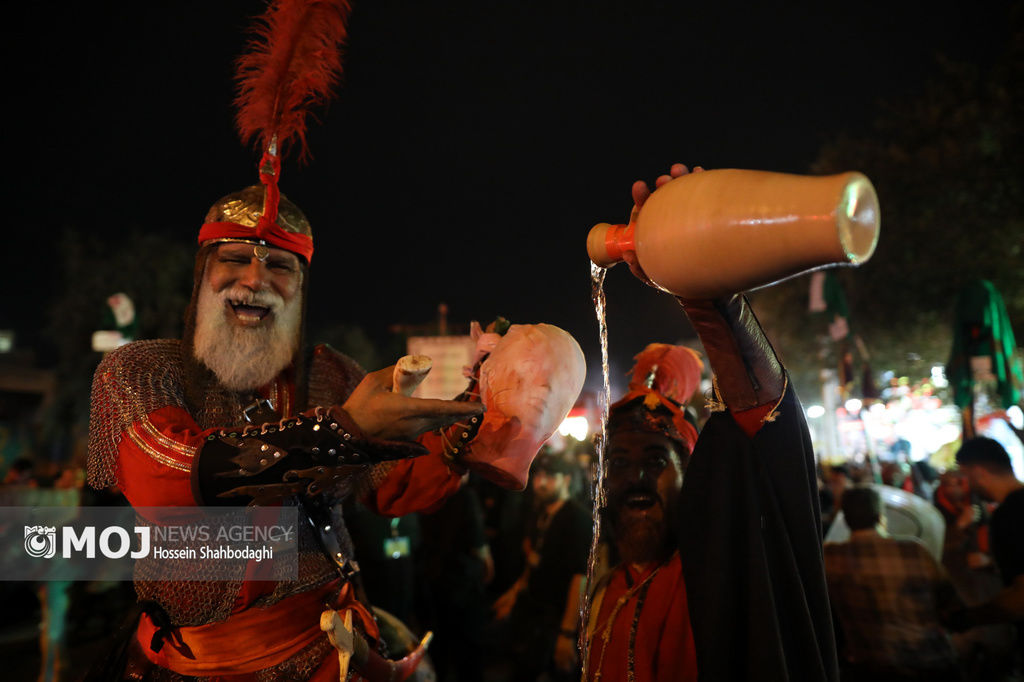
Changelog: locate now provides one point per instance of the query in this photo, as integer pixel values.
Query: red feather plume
(292, 63)
(678, 370)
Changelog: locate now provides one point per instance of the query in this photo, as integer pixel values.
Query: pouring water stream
(597, 275)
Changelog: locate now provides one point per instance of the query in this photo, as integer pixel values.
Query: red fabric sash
(299, 244)
(250, 640)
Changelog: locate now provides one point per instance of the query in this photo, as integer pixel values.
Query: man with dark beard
(236, 413)
(639, 619)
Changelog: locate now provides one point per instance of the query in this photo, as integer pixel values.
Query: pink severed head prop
(529, 383)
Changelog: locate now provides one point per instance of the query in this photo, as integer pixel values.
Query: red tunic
(662, 643)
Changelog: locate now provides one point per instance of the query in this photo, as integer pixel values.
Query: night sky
(472, 145)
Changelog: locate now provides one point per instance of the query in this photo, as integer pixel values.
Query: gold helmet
(238, 217)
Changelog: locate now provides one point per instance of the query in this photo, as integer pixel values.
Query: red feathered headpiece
(293, 62)
(663, 380)
(672, 371)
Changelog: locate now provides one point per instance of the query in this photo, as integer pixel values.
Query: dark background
(471, 148)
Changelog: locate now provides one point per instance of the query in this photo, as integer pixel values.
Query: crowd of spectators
(498, 575)
(902, 613)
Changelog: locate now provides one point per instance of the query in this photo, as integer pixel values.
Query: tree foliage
(948, 166)
(155, 273)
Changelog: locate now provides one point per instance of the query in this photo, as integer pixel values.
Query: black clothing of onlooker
(452, 602)
(563, 543)
(388, 576)
(1006, 534)
(563, 546)
(504, 526)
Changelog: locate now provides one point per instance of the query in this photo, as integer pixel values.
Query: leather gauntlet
(747, 370)
(305, 454)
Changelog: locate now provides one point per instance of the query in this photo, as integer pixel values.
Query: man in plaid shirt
(887, 596)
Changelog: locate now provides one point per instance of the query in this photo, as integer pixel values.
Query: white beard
(245, 358)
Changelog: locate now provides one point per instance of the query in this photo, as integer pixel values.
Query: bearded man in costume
(238, 413)
(169, 421)
(720, 574)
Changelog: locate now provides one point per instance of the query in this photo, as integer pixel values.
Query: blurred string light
(577, 427)
(1016, 416)
(853, 405)
(815, 412)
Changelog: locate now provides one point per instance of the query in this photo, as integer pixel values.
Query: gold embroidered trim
(714, 402)
(165, 441)
(160, 457)
(774, 412)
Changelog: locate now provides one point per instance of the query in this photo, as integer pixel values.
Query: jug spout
(606, 243)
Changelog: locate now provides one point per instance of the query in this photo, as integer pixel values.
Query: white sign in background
(450, 355)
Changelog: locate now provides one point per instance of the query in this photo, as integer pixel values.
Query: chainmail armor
(130, 383)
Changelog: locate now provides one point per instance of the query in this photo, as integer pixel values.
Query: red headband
(275, 235)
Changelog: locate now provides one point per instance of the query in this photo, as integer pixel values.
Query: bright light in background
(853, 405)
(939, 376)
(877, 409)
(815, 411)
(1016, 416)
(577, 427)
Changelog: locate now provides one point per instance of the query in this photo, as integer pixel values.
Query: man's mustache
(244, 296)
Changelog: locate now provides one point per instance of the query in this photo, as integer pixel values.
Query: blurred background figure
(20, 473)
(985, 651)
(836, 481)
(454, 565)
(990, 473)
(888, 597)
(541, 609)
(386, 548)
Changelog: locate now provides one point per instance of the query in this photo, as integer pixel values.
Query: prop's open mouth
(247, 312)
(640, 500)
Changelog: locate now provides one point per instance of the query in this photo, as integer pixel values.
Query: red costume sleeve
(417, 484)
(155, 458)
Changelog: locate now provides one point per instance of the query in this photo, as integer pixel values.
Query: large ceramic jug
(720, 232)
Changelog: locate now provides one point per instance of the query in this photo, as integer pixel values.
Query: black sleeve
(750, 545)
(1007, 546)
